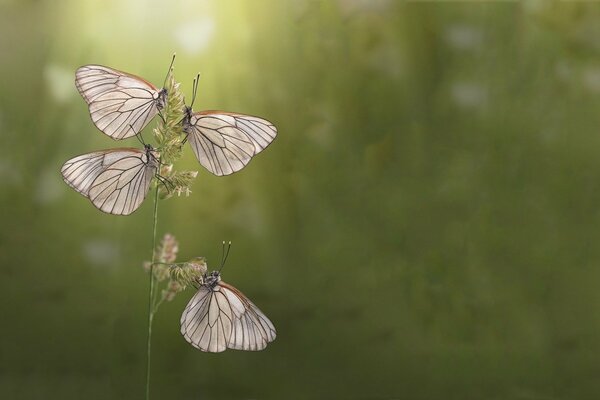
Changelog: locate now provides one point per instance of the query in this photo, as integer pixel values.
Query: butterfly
(225, 142)
(117, 180)
(219, 317)
(120, 104)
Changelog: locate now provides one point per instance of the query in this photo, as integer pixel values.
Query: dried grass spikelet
(169, 137)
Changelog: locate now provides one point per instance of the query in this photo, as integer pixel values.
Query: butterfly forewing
(225, 143)
(222, 317)
(260, 131)
(116, 181)
(206, 321)
(120, 104)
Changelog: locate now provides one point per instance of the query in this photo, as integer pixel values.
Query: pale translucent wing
(252, 330)
(206, 320)
(120, 104)
(80, 172)
(225, 143)
(219, 147)
(123, 183)
(259, 130)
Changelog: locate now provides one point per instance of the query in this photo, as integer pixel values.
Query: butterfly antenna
(140, 138)
(169, 70)
(195, 88)
(224, 254)
(138, 135)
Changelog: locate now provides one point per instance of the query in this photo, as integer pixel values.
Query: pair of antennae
(141, 139)
(139, 136)
(195, 88)
(224, 254)
(194, 83)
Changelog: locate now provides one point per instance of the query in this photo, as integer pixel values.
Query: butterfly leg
(161, 117)
(185, 138)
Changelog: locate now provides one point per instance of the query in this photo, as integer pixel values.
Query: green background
(425, 225)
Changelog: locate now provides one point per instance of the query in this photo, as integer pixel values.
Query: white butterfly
(116, 181)
(225, 142)
(219, 317)
(120, 104)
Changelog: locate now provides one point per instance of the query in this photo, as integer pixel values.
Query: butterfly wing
(120, 104)
(80, 172)
(122, 187)
(252, 330)
(206, 320)
(222, 317)
(225, 143)
(116, 181)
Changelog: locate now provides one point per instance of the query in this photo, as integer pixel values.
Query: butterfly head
(212, 279)
(161, 99)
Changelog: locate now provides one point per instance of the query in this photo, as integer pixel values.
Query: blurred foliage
(423, 227)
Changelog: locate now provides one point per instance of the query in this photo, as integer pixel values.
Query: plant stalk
(151, 309)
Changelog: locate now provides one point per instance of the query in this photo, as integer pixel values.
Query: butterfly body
(219, 317)
(160, 98)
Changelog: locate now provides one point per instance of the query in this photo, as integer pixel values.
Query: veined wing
(260, 131)
(225, 143)
(222, 317)
(123, 184)
(252, 330)
(116, 180)
(120, 104)
(81, 171)
(206, 320)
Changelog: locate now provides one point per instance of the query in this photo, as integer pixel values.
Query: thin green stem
(151, 308)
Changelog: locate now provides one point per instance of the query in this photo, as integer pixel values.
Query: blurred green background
(425, 226)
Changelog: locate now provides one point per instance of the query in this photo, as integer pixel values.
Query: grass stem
(151, 308)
